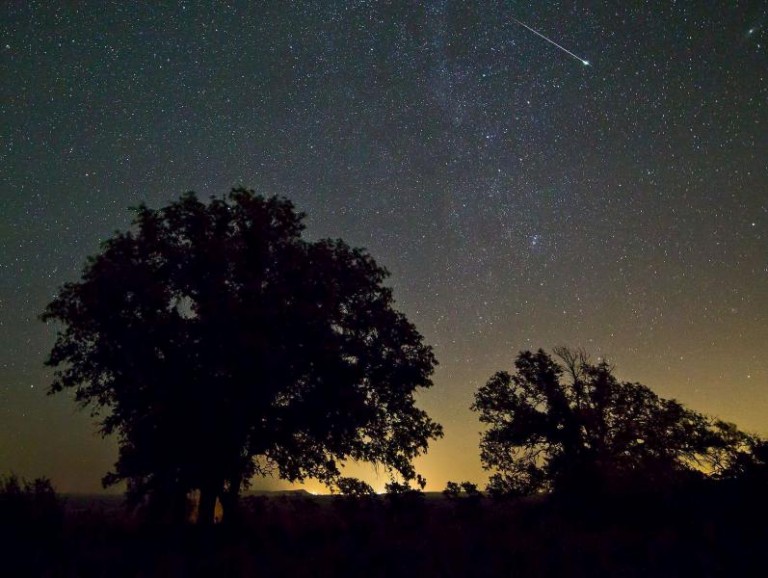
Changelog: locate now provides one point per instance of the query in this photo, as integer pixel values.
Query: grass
(707, 530)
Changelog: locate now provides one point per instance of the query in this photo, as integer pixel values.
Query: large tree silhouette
(218, 344)
(571, 425)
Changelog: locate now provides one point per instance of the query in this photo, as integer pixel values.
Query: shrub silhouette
(31, 516)
(354, 487)
(455, 490)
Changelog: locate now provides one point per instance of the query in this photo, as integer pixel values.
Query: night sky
(520, 198)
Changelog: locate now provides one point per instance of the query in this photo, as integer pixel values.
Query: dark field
(704, 531)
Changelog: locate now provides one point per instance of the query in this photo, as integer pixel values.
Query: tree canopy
(570, 424)
(218, 344)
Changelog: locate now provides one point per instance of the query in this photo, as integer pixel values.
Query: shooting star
(537, 33)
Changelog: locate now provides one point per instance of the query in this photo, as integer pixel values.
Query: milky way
(519, 200)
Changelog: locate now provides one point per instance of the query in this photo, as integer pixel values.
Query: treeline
(219, 345)
(704, 528)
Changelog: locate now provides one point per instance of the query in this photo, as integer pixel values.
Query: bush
(31, 516)
(354, 487)
(24, 503)
(454, 490)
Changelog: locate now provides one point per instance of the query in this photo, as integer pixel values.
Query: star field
(519, 198)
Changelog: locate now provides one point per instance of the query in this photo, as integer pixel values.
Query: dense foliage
(218, 344)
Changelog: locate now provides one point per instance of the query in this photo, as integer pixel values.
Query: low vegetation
(709, 528)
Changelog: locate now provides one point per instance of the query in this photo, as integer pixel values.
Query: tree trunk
(229, 499)
(206, 508)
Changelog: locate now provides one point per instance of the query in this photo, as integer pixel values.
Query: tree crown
(571, 423)
(217, 343)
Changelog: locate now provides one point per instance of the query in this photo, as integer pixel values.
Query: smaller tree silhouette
(354, 487)
(571, 425)
(454, 490)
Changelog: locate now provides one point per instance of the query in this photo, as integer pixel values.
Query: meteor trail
(537, 33)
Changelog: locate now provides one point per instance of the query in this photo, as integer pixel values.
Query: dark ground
(703, 531)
